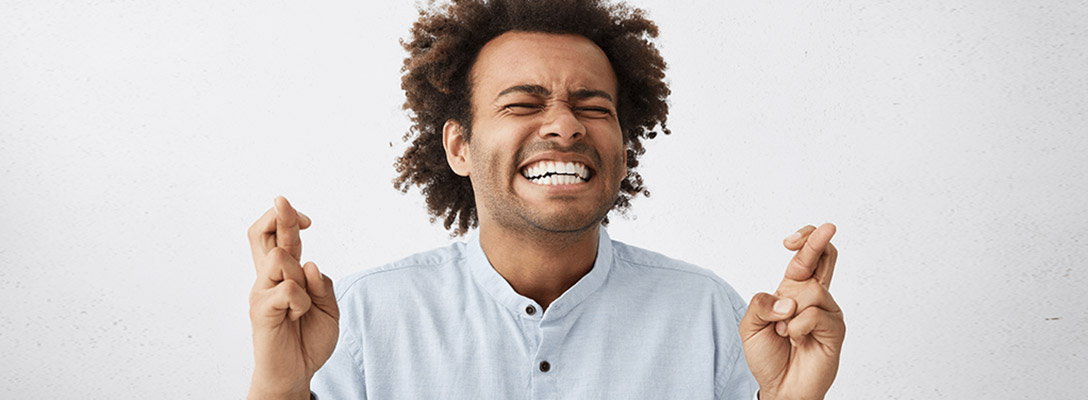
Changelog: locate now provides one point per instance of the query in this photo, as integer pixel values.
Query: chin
(566, 222)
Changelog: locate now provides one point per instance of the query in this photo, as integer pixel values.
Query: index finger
(804, 263)
(262, 235)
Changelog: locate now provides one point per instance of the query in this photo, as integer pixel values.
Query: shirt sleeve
(739, 383)
(342, 375)
(735, 380)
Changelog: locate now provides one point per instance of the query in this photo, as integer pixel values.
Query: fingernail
(782, 306)
(793, 236)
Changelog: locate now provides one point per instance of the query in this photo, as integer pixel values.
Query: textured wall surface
(138, 141)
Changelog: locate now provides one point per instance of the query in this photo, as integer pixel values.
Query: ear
(457, 154)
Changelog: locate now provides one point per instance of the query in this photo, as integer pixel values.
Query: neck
(540, 266)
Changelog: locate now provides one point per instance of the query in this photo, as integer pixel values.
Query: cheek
(489, 162)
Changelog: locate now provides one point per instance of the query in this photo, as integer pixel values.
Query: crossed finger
(815, 255)
(274, 227)
(279, 266)
(807, 294)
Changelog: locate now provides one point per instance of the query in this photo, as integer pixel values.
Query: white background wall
(139, 140)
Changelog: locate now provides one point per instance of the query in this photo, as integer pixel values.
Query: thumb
(765, 309)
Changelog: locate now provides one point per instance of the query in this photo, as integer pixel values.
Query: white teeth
(556, 173)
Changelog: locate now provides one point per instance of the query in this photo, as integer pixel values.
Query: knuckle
(811, 247)
(289, 289)
(760, 298)
(809, 313)
(279, 255)
(789, 288)
(812, 286)
(799, 262)
(806, 294)
(817, 291)
(294, 244)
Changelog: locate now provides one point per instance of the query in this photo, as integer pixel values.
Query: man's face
(546, 151)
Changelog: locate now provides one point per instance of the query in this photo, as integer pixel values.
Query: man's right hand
(292, 308)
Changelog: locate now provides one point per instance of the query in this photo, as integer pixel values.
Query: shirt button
(530, 310)
(545, 367)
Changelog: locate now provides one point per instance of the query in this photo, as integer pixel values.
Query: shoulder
(662, 271)
(414, 270)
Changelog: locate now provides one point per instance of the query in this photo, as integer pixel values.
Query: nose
(562, 124)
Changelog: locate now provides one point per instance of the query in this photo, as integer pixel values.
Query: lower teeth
(557, 180)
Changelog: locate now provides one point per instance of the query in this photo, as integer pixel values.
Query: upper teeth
(556, 173)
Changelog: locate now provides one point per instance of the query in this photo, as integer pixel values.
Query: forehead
(560, 63)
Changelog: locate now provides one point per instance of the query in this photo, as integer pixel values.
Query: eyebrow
(587, 93)
(538, 90)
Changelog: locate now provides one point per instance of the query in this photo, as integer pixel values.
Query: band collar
(493, 283)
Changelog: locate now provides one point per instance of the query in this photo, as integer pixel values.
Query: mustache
(540, 147)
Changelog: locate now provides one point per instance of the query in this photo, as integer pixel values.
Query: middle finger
(803, 263)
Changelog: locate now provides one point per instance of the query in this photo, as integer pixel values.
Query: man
(529, 117)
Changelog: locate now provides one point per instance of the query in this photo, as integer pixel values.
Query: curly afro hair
(443, 46)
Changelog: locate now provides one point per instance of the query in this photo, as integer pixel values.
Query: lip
(560, 157)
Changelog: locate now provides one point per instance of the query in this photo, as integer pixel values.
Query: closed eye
(594, 112)
(522, 108)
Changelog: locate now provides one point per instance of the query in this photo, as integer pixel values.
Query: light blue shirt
(445, 325)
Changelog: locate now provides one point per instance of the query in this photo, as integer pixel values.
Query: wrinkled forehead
(562, 63)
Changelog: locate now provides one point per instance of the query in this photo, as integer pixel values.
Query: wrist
(257, 394)
(764, 394)
(261, 390)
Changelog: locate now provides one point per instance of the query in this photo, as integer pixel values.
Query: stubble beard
(509, 211)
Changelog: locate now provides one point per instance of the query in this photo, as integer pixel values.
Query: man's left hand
(792, 339)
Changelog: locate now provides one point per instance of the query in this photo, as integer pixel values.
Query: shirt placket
(546, 362)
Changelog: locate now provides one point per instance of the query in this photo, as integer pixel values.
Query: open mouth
(556, 173)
